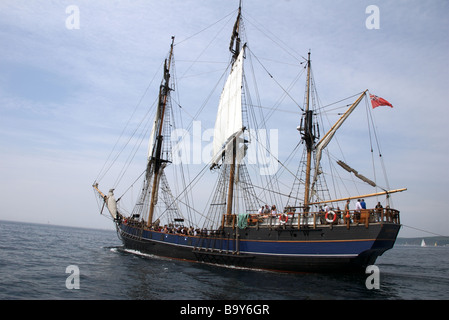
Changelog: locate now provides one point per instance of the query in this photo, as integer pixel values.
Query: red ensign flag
(378, 101)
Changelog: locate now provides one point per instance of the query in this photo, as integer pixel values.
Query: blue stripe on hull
(307, 248)
(337, 247)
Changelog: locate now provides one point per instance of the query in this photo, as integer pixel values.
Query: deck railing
(314, 219)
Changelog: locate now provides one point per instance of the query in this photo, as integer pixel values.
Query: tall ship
(293, 218)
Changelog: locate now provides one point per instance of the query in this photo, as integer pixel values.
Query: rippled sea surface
(34, 259)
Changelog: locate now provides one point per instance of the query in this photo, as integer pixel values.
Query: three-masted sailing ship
(240, 229)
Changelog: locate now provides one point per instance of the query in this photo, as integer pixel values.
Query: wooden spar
(153, 197)
(163, 94)
(99, 191)
(328, 136)
(105, 197)
(361, 196)
(231, 179)
(309, 142)
(341, 120)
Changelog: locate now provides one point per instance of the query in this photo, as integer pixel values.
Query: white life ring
(283, 218)
(333, 219)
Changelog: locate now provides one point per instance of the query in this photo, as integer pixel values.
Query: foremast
(155, 162)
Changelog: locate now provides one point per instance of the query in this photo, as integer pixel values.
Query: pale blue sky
(64, 94)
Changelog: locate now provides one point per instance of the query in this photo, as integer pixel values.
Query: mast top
(234, 45)
(171, 52)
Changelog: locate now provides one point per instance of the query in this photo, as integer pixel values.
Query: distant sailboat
(423, 243)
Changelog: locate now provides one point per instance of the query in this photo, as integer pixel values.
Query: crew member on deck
(379, 209)
(363, 204)
(358, 208)
(267, 209)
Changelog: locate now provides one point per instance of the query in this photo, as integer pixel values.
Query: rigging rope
(231, 14)
(271, 76)
(436, 234)
(104, 171)
(275, 39)
(131, 156)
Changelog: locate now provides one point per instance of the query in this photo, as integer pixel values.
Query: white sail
(229, 123)
(151, 142)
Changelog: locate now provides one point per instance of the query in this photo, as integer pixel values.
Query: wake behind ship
(314, 230)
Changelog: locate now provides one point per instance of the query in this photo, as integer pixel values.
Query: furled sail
(329, 135)
(111, 203)
(229, 123)
(358, 175)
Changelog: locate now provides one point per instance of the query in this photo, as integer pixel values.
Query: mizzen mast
(308, 135)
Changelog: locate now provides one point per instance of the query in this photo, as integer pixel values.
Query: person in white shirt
(358, 208)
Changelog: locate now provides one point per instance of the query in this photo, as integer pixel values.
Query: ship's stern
(385, 240)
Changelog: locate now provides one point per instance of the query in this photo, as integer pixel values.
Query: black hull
(325, 249)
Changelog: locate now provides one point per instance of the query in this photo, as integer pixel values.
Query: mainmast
(155, 162)
(234, 47)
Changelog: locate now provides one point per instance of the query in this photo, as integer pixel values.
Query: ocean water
(34, 260)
